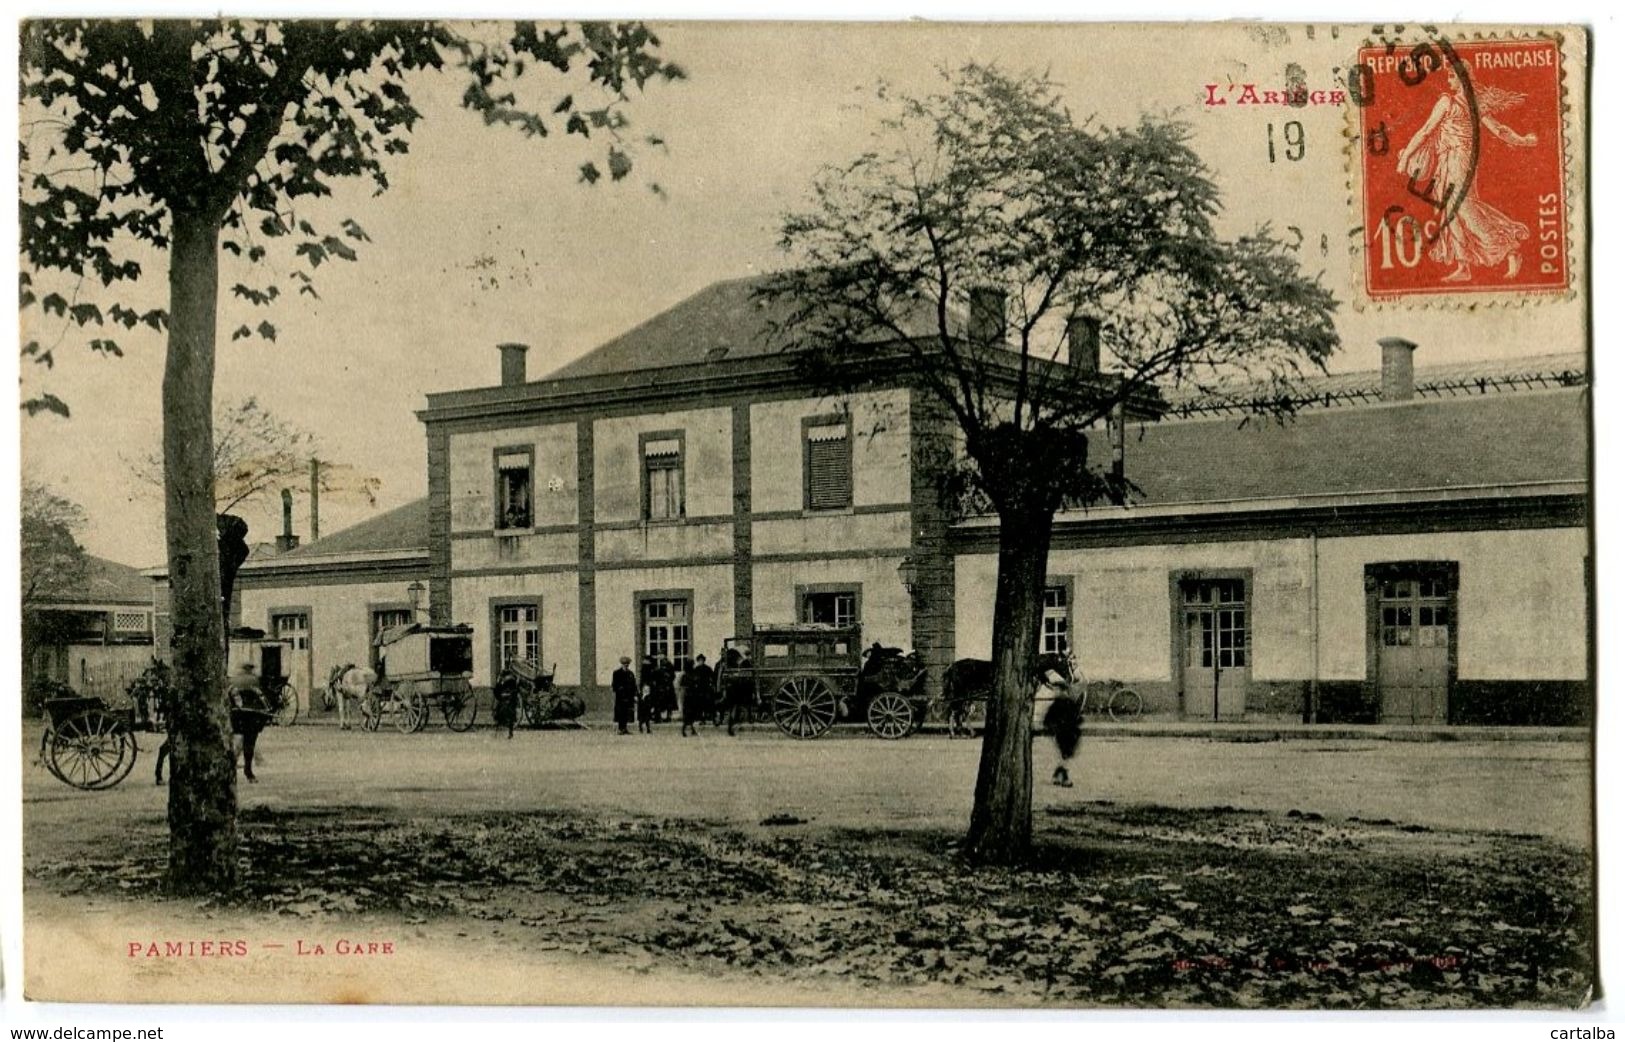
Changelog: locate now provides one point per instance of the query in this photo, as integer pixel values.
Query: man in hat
(624, 686)
(699, 685)
(248, 712)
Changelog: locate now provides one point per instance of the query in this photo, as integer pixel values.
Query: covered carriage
(271, 659)
(421, 668)
(811, 675)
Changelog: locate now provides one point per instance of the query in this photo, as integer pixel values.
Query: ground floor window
(386, 619)
(292, 626)
(830, 607)
(1056, 636)
(519, 634)
(667, 633)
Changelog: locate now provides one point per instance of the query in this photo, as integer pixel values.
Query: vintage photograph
(806, 514)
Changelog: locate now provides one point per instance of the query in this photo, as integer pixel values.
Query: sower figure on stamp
(1064, 722)
(623, 684)
(1438, 160)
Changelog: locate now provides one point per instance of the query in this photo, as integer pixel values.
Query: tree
(256, 452)
(197, 137)
(1000, 248)
(53, 562)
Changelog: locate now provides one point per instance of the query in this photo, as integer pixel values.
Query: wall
(1521, 606)
(1521, 602)
(880, 449)
(707, 462)
(712, 607)
(340, 621)
(558, 592)
(473, 475)
(885, 604)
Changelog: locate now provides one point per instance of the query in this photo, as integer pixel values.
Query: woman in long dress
(1436, 161)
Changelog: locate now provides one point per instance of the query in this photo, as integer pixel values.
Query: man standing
(624, 686)
(699, 685)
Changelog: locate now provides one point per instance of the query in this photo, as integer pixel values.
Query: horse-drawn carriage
(422, 667)
(271, 660)
(810, 675)
(87, 744)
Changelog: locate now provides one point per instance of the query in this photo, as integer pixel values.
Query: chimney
(315, 499)
(287, 540)
(1083, 343)
(513, 363)
(986, 315)
(1398, 369)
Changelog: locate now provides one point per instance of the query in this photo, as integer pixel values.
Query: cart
(423, 668)
(272, 658)
(811, 675)
(540, 703)
(86, 744)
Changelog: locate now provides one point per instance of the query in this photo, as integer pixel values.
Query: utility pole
(315, 499)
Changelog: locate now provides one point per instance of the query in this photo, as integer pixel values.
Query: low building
(328, 598)
(95, 635)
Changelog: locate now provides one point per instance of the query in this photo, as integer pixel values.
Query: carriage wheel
(92, 750)
(460, 709)
(407, 704)
(372, 712)
(891, 716)
(288, 710)
(1125, 705)
(420, 710)
(804, 707)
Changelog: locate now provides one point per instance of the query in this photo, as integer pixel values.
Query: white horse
(346, 682)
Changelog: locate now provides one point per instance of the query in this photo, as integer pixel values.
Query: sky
(487, 237)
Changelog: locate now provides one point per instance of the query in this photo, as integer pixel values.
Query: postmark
(1461, 160)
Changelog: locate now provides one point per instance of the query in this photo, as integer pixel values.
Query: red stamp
(1462, 167)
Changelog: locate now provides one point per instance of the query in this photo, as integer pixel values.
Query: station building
(1412, 547)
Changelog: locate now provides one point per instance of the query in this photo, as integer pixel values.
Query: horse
(970, 680)
(351, 681)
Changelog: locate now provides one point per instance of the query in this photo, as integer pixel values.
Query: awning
(828, 432)
(663, 447)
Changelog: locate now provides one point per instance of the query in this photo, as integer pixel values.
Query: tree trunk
(203, 779)
(1001, 824)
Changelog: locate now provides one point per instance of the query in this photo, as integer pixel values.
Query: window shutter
(829, 468)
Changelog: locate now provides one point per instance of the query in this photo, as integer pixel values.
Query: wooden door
(1413, 650)
(1217, 656)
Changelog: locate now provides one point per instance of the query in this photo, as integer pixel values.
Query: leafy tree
(1000, 247)
(53, 562)
(256, 452)
(197, 137)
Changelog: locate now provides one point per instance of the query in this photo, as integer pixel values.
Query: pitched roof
(105, 582)
(1428, 443)
(725, 320)
(404, 528)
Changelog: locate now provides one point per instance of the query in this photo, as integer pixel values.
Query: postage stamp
(1462, 164)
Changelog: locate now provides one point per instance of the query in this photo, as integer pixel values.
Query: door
(666, 632)
(1216, 652)
(294, 626)
(1413, 650)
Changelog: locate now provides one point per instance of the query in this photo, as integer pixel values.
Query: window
(834, 608)
(127, 623)
(1216, 615)
(1414, 613)
(384, 619)
(663, 479)
(666, 633)
(1055, 637)
(514, 499)
(519, 634)
(293, 626)
(828, 459)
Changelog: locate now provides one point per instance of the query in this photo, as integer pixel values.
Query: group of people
(660, 689)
